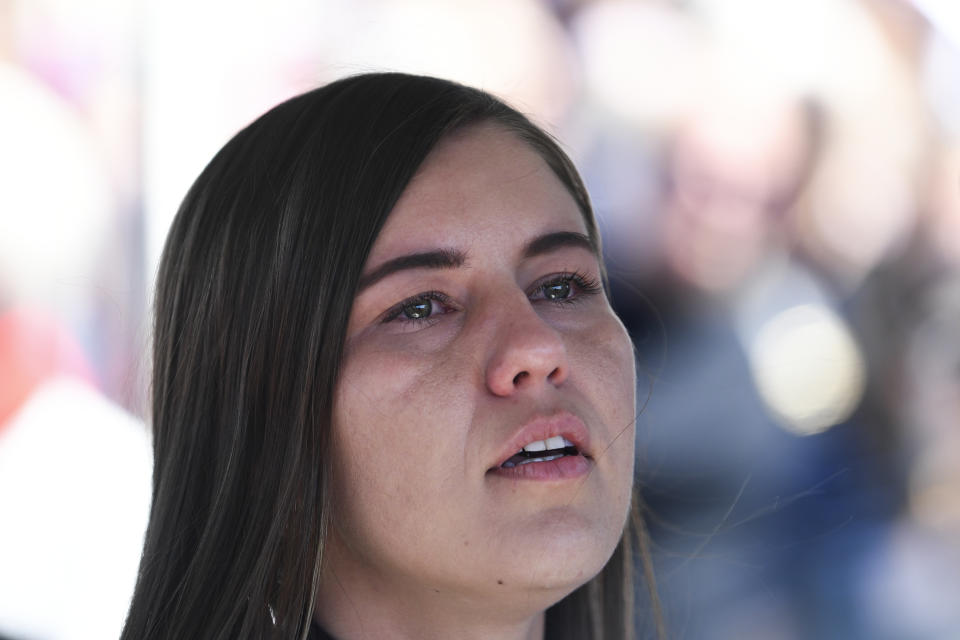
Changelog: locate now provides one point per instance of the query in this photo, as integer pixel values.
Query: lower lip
(565, 468)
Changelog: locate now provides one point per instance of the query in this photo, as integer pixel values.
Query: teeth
(554, 442)
(539, 445)
(543, 459)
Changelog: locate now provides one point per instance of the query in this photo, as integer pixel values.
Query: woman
(390, 397)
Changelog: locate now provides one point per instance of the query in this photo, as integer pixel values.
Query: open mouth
(542, 451)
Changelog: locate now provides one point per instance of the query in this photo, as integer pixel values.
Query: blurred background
(779, 189)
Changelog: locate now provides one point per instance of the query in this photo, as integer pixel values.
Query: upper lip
(541, 427)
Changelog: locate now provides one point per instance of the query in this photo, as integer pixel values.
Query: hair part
(253, 297)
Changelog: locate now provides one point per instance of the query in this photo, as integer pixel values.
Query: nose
(527, 352)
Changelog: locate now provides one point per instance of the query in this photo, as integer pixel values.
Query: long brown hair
(253, 297)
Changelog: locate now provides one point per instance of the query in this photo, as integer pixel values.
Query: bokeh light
(808, 368)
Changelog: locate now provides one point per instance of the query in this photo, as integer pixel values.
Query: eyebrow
(558, 240)
(452, 258)
(439, 259)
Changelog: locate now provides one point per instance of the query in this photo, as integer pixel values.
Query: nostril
(520, 376)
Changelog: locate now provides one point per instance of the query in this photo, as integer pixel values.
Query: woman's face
(481, 328)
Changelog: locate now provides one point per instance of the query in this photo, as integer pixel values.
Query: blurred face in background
(733, 173)
(481, 328)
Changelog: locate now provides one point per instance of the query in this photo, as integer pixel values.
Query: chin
(563, 555)
(538, 590)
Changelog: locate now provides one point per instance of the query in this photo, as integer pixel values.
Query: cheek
(606, 360)
(371, 415)
(607, 373)
(394, 431)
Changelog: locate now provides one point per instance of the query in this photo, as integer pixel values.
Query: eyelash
(432, 296)
(586, 286)
(583, 284)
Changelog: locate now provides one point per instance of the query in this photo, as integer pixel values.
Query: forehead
(481, 183)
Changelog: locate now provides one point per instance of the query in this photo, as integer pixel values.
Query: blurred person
(753, 329)
(734, 169)
(910, 317)
(391, 398)
(731, 174)
(905, 309)
(914, 583)
(751, 452)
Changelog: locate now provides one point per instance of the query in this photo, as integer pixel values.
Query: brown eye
(418, 310)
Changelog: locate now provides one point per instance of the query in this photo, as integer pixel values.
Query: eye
(557, 290)
(565, 287)
(419, 309)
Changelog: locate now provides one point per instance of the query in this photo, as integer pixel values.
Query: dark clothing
(317, 633)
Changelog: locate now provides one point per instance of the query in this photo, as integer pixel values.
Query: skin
(427, 542)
